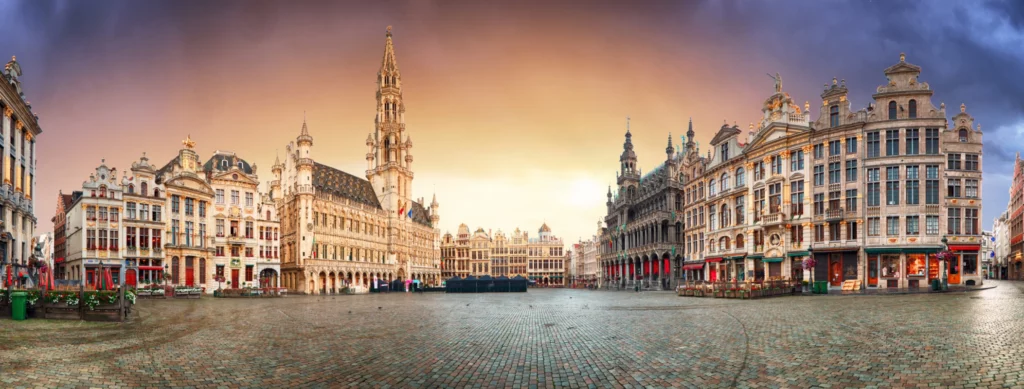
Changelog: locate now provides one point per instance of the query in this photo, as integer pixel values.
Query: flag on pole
(314, 246)
(410, 213)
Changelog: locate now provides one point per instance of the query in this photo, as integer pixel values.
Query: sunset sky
(516, 109)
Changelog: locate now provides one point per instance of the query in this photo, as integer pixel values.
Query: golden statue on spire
(188, 142)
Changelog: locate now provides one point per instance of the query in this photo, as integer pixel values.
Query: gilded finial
(834, 81)
(389, 30)
(188, 142)
(14, 58)
(903, 57)
(963, 108)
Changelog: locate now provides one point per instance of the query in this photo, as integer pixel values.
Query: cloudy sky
(517, 110)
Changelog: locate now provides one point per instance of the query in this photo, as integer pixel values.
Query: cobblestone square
(545, 338)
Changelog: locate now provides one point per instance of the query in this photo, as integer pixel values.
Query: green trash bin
(18, 300)
(935, 285)
(822, 286)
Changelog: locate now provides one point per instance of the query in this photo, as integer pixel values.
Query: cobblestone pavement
(545, 338)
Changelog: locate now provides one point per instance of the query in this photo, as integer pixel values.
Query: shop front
(796, 264)
(757, 275)
(901, 267)
(715, 269)
(835, 265)
(735, 266)
(965, 269)
(693, 271)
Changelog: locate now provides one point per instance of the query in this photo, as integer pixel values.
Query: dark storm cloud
(954, 42)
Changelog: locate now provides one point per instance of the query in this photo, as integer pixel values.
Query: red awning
(150, 268)
(695, 266)
(59, 260)
(715, 259)
(964, 247)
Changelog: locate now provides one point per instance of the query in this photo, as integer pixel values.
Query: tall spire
(389, 63)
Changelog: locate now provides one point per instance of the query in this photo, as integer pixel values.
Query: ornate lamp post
(943, 260)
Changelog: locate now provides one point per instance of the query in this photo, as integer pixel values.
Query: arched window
(725, 216)
(131, 188)
(711, 187)
(741, 178)
(892, 110)
(833, 116)
(156, 192)
(912, 107)
(145, 190)
(739, 241)
(724, 182)
(963, 135)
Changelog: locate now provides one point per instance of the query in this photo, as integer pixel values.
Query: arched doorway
(268, 278)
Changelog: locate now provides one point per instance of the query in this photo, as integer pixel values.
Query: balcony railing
(832, 214)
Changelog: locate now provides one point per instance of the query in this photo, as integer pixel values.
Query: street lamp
(945, 270)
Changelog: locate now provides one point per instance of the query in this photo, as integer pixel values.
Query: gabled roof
(724, 133)
(67, 199)
(168, 167)
(339, 183)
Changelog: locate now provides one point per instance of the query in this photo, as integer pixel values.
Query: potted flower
(808, 265)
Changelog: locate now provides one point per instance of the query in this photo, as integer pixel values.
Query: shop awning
(798, 254)
(713, 259)
(883, 250)
(755, 256)
(964, 247)
(693, 266)
(921, 250)
(773, 259)
(735, 257)
(150, 268)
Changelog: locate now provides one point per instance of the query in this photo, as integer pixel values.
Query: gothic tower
(629, 176)
(389, 159)
(304, 189)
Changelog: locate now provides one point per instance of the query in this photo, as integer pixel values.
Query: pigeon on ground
(467, 305)
(379, 308)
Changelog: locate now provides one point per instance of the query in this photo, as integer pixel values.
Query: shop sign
(235, 262)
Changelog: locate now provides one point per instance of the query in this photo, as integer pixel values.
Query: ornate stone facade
(481, 253)
(872, 194)
(339, 230)
(19, 127)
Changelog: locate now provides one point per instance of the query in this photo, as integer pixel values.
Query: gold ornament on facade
(28, 136)
(842, 99)
(18, 125)
(784, 154)
(824, 102)
(807, 149)
(767, 159)
(8, 111)
(188, 142)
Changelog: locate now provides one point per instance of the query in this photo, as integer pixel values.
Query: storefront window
(933, 267)
(758, 270)
(970, 263)
(797, 270)
(915, 265)
(954, 266)
(891, 266)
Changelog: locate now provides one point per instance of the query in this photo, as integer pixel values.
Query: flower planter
(744, 294)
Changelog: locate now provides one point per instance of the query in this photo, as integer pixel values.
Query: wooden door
(234, 278)
(873, 272)
(189, 277)
(835, 272)
(90, 278)
(953, 267)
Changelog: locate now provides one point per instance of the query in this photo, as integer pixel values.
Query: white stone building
(94, 229)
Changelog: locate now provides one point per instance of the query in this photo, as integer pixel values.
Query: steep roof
(419, 214)
(67, 199)
(218, 161)
(331, 180)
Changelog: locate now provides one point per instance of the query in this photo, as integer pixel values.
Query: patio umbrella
(10, 275)
(110, 278)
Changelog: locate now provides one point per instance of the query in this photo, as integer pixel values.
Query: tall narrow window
(874, 144)
(912, 107)
(851, 170)
(913, 189)
(873, 187)
(931, 141)
(833, 116)
(892, 110)
(796, 198)
(892, 185)
(963, 135)
(913, 141)
(892, 142)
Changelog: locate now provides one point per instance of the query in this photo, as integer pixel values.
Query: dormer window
(892, 110)
(833, 116)
(725, 151)
(963, 135)
(240, 166)
(912, 107)
(224, 164)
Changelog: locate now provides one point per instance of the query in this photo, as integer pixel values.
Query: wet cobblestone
(542, 339)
